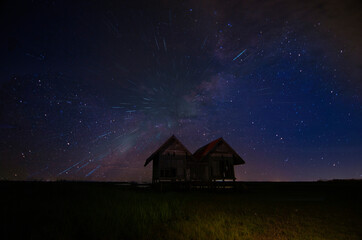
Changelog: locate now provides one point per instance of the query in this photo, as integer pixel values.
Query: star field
(90, 89)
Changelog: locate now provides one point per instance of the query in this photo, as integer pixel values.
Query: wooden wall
(221, 163)
(171, 164)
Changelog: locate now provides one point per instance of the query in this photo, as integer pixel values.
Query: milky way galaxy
(89, 89)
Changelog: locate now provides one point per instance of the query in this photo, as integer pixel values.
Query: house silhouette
(172, 162)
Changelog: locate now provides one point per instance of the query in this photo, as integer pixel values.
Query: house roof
(164, 146)
(204, 151)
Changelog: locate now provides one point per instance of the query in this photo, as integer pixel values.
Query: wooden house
(216, 161)
(170, 161)
(173, 162)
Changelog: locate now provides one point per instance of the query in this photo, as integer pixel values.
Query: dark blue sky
(90, 89)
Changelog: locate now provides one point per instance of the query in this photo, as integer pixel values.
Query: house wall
(221, 163)
(171, 164)
(199, 171)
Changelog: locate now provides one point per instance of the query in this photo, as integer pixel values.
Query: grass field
(71, 210)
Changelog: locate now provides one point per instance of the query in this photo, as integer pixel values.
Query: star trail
(90, 89)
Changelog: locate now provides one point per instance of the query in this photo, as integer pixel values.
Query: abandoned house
(170, 161)
(173, 162)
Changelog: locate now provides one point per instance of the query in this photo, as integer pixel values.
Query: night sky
(89, 89)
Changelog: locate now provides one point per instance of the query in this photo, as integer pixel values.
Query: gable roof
(164, 146)
(204, 151)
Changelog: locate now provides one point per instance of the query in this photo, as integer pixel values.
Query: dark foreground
(70, 210)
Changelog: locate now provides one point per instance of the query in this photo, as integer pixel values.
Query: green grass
(66, 210)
